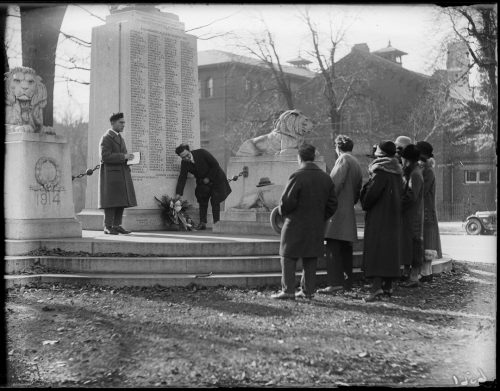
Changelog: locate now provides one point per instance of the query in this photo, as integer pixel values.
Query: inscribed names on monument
(163, 99)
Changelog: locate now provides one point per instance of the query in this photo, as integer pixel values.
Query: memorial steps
(157, 258)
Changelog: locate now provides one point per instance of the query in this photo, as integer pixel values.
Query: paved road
(482, 248)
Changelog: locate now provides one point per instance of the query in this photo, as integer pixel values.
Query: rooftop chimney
(362, 47)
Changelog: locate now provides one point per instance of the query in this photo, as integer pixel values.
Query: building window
(476, 176)
(209, 88)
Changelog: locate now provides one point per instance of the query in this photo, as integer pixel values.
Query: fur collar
(387, 164)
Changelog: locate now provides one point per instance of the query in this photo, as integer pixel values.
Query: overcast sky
(415, 29)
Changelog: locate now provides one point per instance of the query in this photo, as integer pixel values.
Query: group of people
(401, 226)
(116, 189)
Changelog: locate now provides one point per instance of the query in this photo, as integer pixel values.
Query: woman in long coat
(432, 240)
(341, 231)
(381, 199)
(412, 213)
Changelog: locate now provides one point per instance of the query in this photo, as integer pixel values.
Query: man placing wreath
(211, 181)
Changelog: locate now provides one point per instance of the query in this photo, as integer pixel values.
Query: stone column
(144, 65)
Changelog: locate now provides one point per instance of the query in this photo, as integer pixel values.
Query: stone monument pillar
(144, 65)
(38, 195)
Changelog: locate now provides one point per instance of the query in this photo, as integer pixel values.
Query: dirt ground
(440, 334)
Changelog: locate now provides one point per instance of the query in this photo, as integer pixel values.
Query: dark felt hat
(385, 148)
(411, 152)
(264, 182)
(425, 148)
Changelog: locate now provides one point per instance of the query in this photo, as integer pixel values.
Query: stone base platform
(140, 220)
(157, 258)
(245, 222)
(42, 228)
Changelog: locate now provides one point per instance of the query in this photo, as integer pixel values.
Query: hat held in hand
(385, 148)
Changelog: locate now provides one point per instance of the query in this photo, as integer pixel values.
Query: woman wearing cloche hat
(432, 240)
(412, 254)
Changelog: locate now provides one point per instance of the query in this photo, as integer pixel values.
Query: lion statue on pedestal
(26, 96)
(288, 134)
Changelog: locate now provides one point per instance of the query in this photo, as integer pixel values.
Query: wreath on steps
(173, 213)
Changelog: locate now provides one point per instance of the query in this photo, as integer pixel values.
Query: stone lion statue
(289, 132)
(26, 96)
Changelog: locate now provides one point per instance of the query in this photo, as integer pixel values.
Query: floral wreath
(173, 213)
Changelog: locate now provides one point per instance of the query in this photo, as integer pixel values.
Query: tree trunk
(3, 24)
(335, 122)
(40, 27)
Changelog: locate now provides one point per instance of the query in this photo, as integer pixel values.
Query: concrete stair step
(158, 244)
(118, 264)
(131, 279)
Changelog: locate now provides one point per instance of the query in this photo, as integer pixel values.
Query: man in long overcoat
(211, 181)
(432, 240)
(116, 189)
(307, 202)
(412, 213)
(381, 199)
(341, 231)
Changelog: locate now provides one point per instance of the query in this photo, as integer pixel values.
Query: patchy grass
(62, 335)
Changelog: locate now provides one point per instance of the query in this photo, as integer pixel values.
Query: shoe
(428, 278)
(110, 231)
(410, 284)
(330, 289)
(388, 292)
(201, 227)
(283, 296)
(302, 295)
(377, 295)
(121, 230)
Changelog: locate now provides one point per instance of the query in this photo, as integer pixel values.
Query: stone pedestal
(278, 168)
(144, 65)
(38, 194)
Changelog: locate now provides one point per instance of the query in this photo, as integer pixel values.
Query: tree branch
(89, 12)
(69, 79)
(73, 67)
(76, 39)
(211, 23)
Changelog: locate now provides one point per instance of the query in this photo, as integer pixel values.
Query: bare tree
(337, 89)
(457, 120)
(476, 26)
(264, 48)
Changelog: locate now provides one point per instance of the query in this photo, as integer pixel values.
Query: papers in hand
(136, 159)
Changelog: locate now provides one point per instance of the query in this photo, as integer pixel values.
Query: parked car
(483, 222)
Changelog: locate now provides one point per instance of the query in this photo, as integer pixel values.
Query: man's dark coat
(116, 188)
(307, 202)
(205, 166)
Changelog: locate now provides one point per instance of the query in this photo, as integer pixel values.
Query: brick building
(382, 98)
(238, 99)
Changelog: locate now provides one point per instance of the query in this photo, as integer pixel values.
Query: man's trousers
(308, 280)
(113, 217)
(339, 258)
